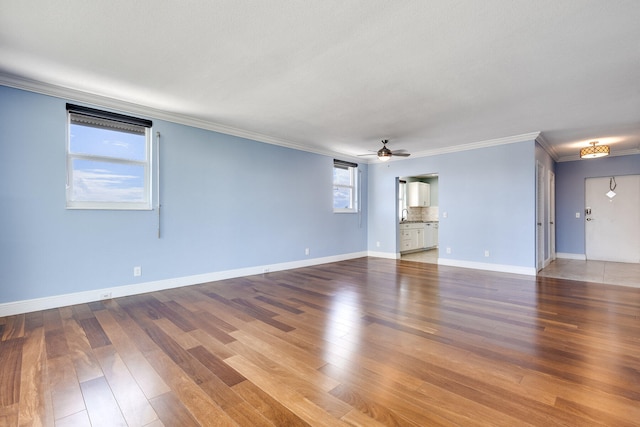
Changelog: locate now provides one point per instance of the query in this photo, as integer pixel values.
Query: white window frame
(402, 199)
(119, 121)
(353, 186)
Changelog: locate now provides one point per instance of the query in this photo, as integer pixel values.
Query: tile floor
(430, 256)
(613, 273)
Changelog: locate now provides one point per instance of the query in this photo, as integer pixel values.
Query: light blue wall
(228, 203)
(570, 197)
(231, 203)
(488, 194)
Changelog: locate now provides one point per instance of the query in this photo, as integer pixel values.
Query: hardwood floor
(362, 342)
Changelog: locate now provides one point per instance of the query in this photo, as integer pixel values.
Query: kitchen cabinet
(417, 236)
(431, 235)
(418, 194)
(412, 236)
(435, 234)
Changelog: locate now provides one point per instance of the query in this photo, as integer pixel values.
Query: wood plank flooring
(362, 342)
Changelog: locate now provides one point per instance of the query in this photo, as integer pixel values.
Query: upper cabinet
(419, 194)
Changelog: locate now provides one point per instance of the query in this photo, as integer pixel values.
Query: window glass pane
(107, 182)
(98, 141)
(342, 198)
(341, 176)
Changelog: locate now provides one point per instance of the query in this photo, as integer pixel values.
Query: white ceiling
(335, 76)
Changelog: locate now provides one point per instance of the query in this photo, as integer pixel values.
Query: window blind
(342, 164)
(105, 119)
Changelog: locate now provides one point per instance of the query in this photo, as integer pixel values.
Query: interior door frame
(551, 231)
(540, 211)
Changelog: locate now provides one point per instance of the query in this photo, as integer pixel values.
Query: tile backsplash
(429, 213)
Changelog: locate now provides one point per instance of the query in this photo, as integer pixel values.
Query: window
(403, 213)
(108, 160)
(344, 186)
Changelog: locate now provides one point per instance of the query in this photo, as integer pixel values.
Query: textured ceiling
(338, 76)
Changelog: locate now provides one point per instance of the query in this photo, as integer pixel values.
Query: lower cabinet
(430, 235)
(418, 235)
(411, 237)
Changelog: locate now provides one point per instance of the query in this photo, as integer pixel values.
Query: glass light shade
(594, 151)
(384, 154)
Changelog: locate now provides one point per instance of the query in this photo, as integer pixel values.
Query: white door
(612, 224)
(552, 216)
(540, 216)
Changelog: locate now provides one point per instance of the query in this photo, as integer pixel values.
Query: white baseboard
(529, 271)
(56, 301)
(388, 255)
(580, 257)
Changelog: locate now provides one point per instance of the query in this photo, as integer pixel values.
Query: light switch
(577, 214)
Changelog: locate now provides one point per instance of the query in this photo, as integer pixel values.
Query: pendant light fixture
(593, 151)
(612, 186)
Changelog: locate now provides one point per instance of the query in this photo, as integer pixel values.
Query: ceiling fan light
(593, 151)
(384, 154)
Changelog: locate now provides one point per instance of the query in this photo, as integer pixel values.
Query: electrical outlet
(486, 253)
(137, 271)
(105, 295)
(306, 251)
(448, 250)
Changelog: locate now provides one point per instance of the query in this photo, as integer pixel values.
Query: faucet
(404, 218)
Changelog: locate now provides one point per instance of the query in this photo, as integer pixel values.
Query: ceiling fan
(385, 154)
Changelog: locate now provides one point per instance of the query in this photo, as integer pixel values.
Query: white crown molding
(150, 112)
(547, 147)
(532, 136)
(102, 101)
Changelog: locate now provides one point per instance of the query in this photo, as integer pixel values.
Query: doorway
(552, 216)
(612, 219)
(540, 220)
(545, 216)
(418, 218)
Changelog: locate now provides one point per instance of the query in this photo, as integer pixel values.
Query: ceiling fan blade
(384, 153)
